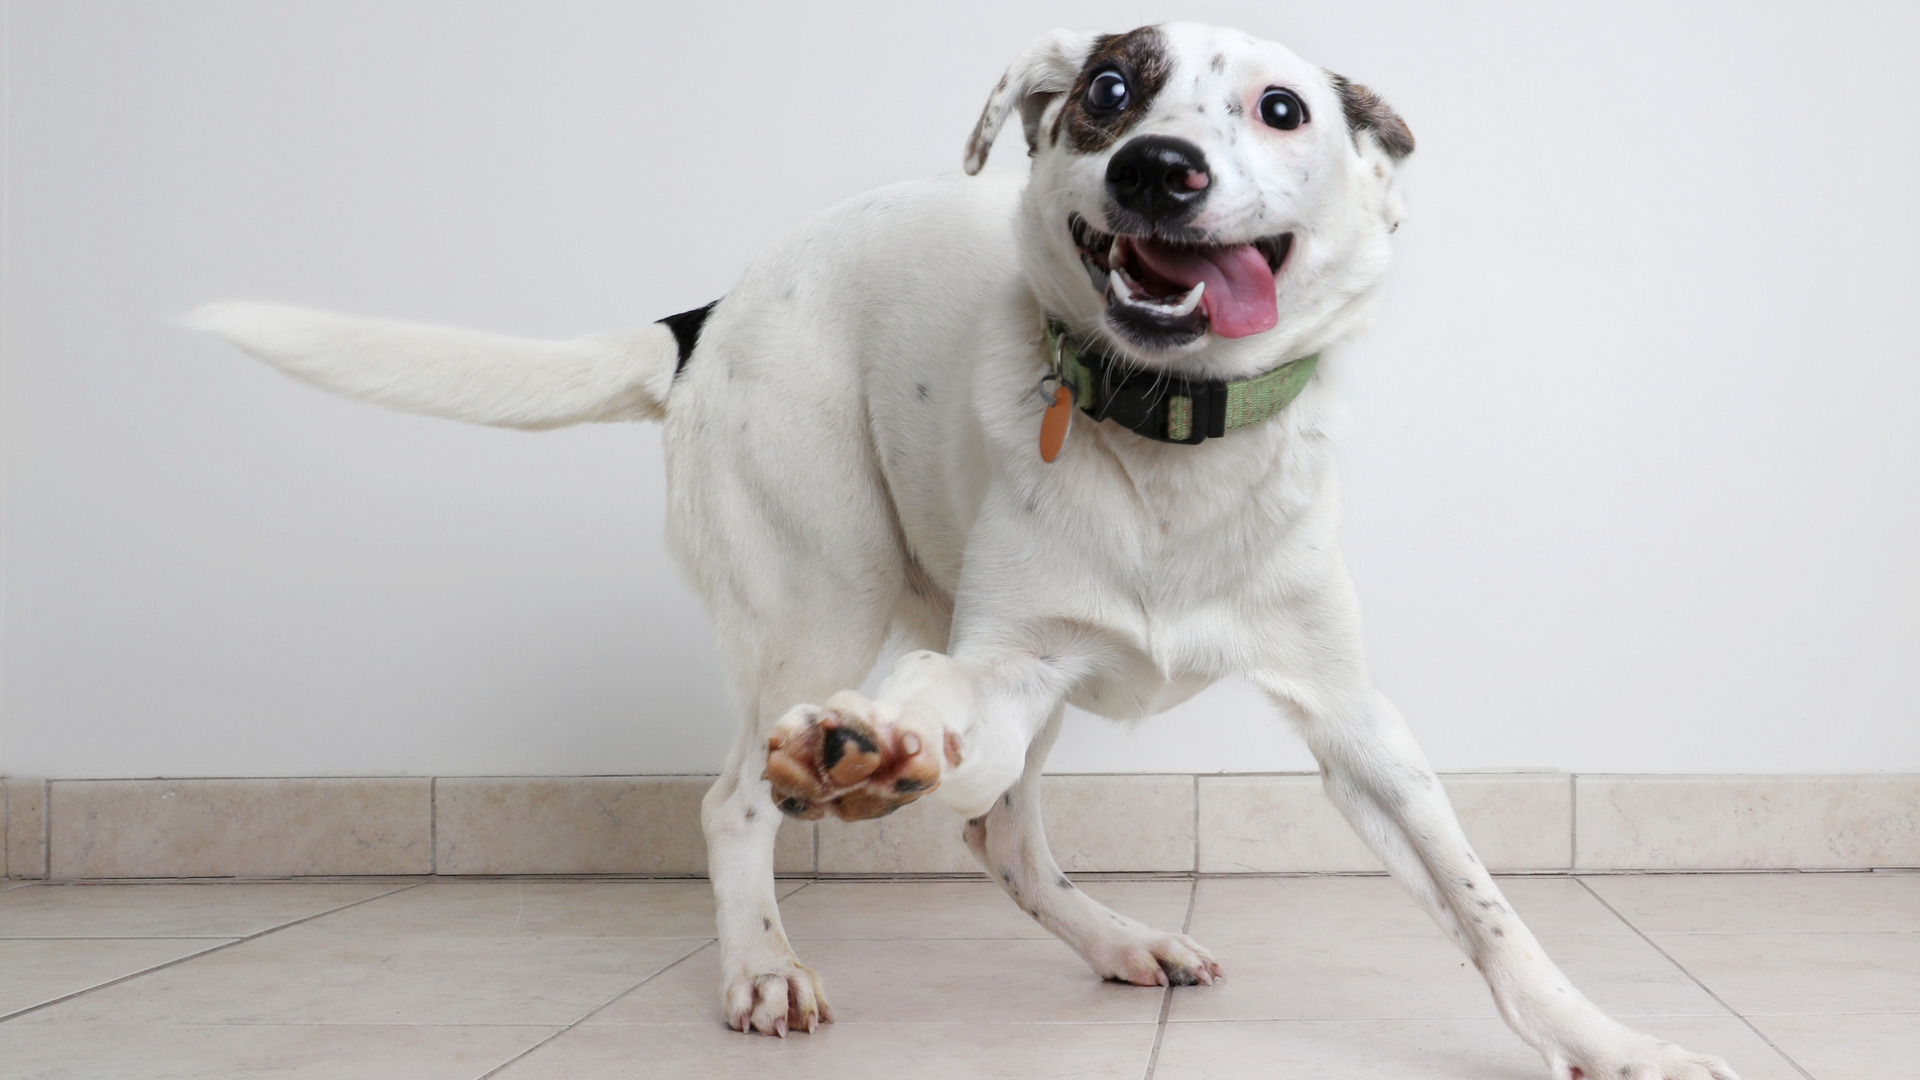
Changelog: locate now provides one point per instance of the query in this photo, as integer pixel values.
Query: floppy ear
(1043, 72)
(1367, 113)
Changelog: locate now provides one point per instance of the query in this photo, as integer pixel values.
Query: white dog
(854, 448)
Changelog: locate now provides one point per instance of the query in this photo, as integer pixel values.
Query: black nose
(1159, 178)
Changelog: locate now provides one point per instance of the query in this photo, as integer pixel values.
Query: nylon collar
(1165, 407)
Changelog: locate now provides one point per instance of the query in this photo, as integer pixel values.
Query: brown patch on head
(1138, 55)
(1366, 112)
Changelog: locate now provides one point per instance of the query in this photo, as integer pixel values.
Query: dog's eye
(1282, 109)
(1107, 92)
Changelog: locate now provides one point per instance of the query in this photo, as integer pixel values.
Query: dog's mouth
(1163, 293)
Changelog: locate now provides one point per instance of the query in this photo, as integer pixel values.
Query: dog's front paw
(1155, 959)
(848, 757)
(773, 999)
(1624, 1054)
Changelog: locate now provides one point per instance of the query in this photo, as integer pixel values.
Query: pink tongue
(1239, 298)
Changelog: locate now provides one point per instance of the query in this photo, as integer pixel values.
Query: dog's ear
(1043, 72)
(1368, 115)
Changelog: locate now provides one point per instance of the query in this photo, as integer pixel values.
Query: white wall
(1633, 471)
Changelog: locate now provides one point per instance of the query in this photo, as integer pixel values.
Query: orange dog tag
(1053, 427)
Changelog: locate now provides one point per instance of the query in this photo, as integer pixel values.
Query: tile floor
(1786, 975)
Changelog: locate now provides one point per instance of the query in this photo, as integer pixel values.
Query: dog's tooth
(1124, 286)
(1191, 300)
(1117, 252)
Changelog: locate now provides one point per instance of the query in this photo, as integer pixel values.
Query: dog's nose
(1158, 177)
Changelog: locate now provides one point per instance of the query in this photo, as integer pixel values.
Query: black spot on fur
(750, 812)
(1366, 112)
(1234, 108)
(1497, 932)
(908, 784)
(766, 923)
(1141, 57)
(686, 332)
(1063, 882)
(1218, 63)
(1007, 800)
(921, 389)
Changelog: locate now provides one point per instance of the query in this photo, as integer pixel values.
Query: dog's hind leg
(1378, 777)
(1011, 843)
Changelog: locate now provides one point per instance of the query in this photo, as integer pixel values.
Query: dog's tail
(458, 374)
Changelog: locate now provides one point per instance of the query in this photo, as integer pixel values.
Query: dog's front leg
(1378, 777)
(764, 986)
(1011, 844)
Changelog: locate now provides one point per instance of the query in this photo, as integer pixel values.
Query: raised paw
(1158, 960)
(847, 757)
(786, 997)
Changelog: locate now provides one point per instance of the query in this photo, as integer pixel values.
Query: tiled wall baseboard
(96, 829)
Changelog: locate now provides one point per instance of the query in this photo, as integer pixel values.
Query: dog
(1060, 434)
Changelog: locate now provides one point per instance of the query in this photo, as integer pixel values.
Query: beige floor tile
(534, 908)
(159, 1051)
(959, 909)
(1625, 976)
(1264, 909)
(1764, 903)
(1846, 1047)
(1804, 973)
(1368, 977)
(997, 981)
(1428, 1049)
(301, 976)
(195, 910)
(951, 1051)
(37, 971)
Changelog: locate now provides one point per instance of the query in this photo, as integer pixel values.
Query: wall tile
(1100, 823)
(1286, 824)
(1747, 822)
(585, 825)
(1093, 823)
(24, 834)
(920, 838)
(238, 828)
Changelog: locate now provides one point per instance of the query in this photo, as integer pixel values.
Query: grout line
(596, 1010)
(1166, 993)
(1708, 990)
(203, 952)
(46, 829)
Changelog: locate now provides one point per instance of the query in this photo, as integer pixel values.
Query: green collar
(1169, 408)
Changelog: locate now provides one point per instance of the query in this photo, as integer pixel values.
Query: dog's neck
(1165, 407)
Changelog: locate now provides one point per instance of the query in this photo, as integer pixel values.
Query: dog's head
(1199, 198)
